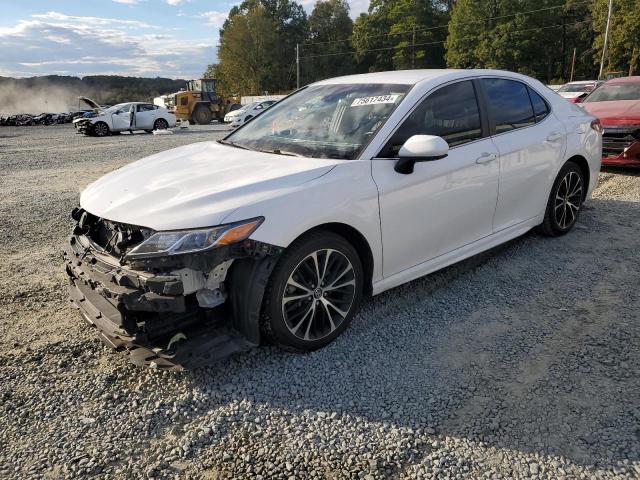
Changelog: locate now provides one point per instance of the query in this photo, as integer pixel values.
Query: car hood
(196, 185)
(90, 103)
(617, 112)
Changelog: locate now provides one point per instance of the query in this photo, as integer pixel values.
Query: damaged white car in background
(123, 117)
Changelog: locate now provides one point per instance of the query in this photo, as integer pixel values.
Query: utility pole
(606, 39)
(413, 48)
(297, 65)
(573, 64)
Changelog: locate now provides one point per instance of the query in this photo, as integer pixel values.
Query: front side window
(322, 121)
(509, 104)
(451, 112)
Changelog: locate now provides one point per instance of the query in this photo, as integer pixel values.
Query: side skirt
(455, 256)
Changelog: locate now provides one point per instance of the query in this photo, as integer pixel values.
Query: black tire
(565, 201)
(160, 124)
(100, 129)
(321, 323)
(202, 115)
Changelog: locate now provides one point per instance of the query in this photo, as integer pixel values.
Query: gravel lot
(520, 363)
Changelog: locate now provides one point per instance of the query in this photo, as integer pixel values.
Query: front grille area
(113, 238)
(616, 139)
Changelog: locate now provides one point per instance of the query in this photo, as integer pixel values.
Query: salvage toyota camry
(348, 187)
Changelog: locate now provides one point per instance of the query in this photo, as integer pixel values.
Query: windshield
(615, 91)
(322, 121)
(584, 87)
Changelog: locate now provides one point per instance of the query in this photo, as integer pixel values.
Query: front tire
(313, 292)
(100, 129)
(202, 115)
(565, 201)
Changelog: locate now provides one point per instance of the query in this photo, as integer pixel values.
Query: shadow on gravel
(530, 348)
(630, 172)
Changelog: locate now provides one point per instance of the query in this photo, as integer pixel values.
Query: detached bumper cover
(144, 315)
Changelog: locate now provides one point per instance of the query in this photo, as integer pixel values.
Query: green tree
(247, 53)
(623, 49)
(330, 30)
(401, 34)
(290, 27)
(211, 71)
(534, 37)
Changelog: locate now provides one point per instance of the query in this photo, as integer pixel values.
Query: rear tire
(160, 124)
(100, 129)
(202, 115)
(565, 201)
(313, 292)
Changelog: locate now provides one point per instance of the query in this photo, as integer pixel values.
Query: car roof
(412, 77)
(635, 79)
(581, 82)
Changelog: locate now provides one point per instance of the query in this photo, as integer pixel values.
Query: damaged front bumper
(152, 312)
(83, 125)
(621, 146)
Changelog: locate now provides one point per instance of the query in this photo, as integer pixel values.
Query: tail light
(597, 126)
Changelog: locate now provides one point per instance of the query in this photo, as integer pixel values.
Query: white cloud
(215, 19)
(175, 2)
(54, 42)
(127, 2)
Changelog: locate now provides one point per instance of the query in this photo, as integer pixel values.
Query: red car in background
(617, 106)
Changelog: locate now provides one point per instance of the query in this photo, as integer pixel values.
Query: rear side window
(451, 113)
(540, 107)
(509, 104)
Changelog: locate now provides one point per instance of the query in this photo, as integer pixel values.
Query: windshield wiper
(233, 144)
(277, 151)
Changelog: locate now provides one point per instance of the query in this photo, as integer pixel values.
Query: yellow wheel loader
(200, 103)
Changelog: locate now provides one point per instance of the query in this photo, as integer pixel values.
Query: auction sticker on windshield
(377, 100)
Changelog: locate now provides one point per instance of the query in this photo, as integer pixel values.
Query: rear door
(145, 116)
(444, 204)
(531, 144)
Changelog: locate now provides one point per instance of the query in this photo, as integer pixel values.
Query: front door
(444, 204)
(121, 119)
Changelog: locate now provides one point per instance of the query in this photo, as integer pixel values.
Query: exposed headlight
(177, 242)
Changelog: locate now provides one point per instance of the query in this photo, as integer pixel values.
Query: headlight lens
(176, 242)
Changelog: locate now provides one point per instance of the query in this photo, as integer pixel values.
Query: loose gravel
(519, 363)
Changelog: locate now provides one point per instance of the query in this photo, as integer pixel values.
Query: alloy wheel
(100, 129)
(568, 200)
(318, 294)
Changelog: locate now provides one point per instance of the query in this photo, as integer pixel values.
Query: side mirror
(420, 148)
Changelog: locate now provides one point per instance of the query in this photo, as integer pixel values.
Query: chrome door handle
(554, 137)
(486, 158)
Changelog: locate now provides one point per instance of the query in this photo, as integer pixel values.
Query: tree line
(258, 41)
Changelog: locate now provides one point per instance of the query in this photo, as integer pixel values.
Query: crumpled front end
(621, 145)
(168, 313)
(83, 125)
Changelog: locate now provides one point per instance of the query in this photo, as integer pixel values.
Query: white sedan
(349, 187)
(124, 117)
(248, 112)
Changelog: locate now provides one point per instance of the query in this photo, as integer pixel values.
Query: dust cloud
(35, 100)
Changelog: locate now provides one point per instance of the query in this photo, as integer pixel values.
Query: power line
(447, 24)
(351, 52)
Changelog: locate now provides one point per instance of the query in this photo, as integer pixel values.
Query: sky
(147, 38)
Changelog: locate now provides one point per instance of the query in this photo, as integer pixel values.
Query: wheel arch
(359, 242)
(584, 168)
